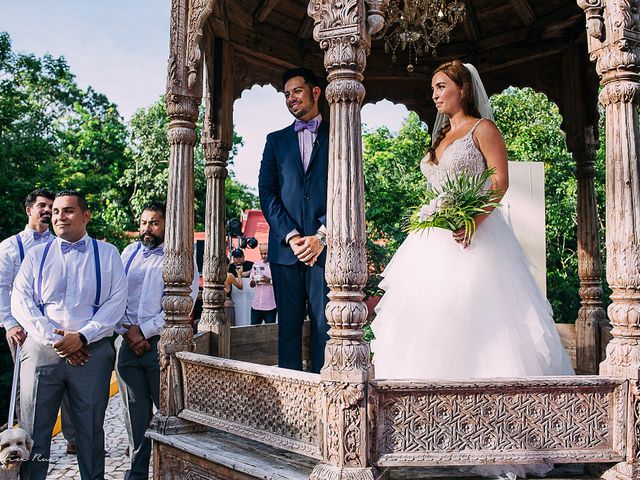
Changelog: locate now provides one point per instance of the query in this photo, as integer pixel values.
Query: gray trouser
(44, 379)
(68, 430)
(139, 385)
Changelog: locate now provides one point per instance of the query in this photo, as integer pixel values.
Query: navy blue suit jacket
(289, 197)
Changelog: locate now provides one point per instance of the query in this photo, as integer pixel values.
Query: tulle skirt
(449, 313)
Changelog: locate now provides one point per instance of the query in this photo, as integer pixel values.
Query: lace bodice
(462, 155)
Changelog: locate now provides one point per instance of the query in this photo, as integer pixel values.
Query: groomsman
(12, 251)
(68, 296)
(137, 364)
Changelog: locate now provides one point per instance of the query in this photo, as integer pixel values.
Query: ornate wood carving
(340, 28)
(583, 145)
(614, 45)
(217, 144)
(559, 419)
(595, 21)
(199, 10)
(169, 464)
(592, 321)
(178, 260)
(175, 70)
(215, 261)
(253, 401)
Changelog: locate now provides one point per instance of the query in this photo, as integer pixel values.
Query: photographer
(263, 307)
(240, 267)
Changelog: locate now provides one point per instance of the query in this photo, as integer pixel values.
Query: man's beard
(46, 220)
(149, 240)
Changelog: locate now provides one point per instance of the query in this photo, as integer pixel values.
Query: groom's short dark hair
(310, 78)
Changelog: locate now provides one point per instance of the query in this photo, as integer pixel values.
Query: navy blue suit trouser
(300, 290)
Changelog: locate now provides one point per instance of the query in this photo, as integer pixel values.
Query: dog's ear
(28, 442)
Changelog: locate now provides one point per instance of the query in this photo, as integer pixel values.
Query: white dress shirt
(146, 289)
(306, 139)
(68, 292)
(9, 266)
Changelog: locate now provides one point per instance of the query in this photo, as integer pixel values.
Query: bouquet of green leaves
(455, 204)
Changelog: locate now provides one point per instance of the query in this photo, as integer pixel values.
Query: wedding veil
(479, 96)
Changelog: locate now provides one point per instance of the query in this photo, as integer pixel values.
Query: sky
(120, 48)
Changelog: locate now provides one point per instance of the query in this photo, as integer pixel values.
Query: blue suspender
(96, 258)
(44, 257)
(126, 268)
(20, 247)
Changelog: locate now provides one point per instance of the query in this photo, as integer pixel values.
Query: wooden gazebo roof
(514, 42)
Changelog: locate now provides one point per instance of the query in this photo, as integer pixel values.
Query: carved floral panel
(577, 419)
(253, 401)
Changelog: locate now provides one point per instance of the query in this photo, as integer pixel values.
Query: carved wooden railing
(505, 421)
(418, 423)
(267, 404)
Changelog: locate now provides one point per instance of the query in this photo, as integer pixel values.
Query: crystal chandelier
(419, 26)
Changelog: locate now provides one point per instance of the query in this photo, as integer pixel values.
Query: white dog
(15, 448)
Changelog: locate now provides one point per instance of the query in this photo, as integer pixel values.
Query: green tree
(55, 135)
(146, 175)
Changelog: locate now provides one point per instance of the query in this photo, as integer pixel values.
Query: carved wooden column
(177, 335)
(614, 44)
(592, 322)
(182, 99)
(579, 116)
(340, 28)
(217, 138)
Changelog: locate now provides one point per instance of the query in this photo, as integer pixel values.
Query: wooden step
(221, 455)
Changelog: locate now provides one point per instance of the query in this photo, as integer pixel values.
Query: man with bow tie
(137, 365)
(12, 251)
(68, 295)
(293, 195)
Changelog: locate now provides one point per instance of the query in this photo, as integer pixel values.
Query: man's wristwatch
(322, 238)
(83, 339)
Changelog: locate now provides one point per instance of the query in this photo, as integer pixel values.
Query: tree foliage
(55, 135)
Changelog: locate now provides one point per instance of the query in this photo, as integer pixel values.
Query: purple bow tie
(37, 235)
(311, 125)
(79, 246)
(155, 251)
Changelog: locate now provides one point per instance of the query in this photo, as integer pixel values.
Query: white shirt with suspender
(12, 252)
(62, 291)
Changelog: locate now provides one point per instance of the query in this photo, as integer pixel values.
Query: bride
(458, 310)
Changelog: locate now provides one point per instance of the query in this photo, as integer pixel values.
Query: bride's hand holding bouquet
(456, 206)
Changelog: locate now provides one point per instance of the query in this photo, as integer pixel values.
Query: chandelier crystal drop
(419, 26)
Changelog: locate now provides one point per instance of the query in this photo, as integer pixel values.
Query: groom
(293, 196)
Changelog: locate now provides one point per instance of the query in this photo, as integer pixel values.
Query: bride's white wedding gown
(449, 313)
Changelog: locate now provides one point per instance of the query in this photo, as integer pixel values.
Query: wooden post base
(329, 472)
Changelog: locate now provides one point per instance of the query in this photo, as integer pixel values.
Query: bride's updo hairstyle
(457, 72)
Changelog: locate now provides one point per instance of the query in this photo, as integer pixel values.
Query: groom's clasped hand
(307, 249)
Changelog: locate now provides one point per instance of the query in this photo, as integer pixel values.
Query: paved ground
(116, 462)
